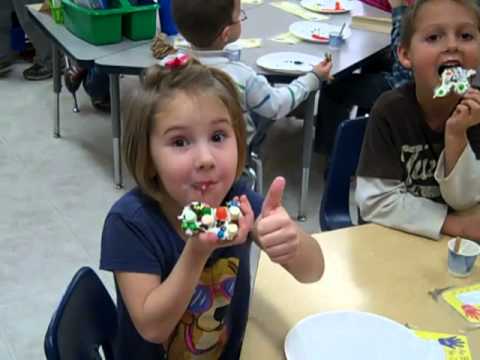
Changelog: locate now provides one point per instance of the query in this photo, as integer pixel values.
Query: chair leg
(353, 112)
(254, 259)
(75, 108)
(252, 178)
(259, 172)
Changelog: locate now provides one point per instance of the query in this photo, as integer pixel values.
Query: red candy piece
(221, 214)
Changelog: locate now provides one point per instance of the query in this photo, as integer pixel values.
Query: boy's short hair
(159, 86)
(408, 20)
(202, 21)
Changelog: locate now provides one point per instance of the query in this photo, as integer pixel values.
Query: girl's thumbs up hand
(277, 233)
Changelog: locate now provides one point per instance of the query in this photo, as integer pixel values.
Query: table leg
(254, 259)
(308, 131)
(57, 88)
(116, 129)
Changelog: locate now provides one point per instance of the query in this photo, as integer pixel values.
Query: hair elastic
(177, 62)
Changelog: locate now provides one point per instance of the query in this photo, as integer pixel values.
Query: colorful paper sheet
(298, 10)
(248, 43)
(245, 43)
(455, 346)
(466, 301)
(287, 38)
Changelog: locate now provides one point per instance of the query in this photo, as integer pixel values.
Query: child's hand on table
(277, 233)
(323, 68)
(464, 224)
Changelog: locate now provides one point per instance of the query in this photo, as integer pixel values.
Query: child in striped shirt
(210, 25)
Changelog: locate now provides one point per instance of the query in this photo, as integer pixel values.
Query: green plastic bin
(107, 26)
(139, 22)
(97, 27)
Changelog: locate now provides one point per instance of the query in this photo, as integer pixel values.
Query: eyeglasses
(241, 18)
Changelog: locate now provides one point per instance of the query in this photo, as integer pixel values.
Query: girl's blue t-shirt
(138, 238)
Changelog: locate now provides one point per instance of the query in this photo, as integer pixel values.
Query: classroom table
(367, 268)
(264, 21)
(83, 53)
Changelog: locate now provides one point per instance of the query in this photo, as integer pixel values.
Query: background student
(420, 159)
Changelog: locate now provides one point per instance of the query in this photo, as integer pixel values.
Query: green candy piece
(440, 92)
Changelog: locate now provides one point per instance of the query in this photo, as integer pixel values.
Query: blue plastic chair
(334, 208)
(83, 326)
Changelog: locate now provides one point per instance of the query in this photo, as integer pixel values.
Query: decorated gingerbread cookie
(454, 79)
(222, 221)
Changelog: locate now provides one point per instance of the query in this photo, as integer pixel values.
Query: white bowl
(353, 335)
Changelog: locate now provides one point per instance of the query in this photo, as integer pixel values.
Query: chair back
(84, 322)
(334, 207)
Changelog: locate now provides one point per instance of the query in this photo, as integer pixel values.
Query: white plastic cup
(461, 264)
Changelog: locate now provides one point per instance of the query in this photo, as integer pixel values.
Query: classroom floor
(55, 193)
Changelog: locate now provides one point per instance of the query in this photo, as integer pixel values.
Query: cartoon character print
(202, 332)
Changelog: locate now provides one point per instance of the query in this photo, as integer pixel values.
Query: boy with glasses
(210, 25)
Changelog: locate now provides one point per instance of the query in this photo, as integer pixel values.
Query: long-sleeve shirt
(401, 175)
(257, 95)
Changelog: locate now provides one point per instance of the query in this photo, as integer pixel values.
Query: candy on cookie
(454, 79)
(199, 217)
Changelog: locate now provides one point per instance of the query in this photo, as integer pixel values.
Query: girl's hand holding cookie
(205, 242)
(276, 232)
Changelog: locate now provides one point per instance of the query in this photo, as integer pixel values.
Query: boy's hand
(466, 114)
(323, 68)
(471, 227)
(464, 224)
(276, 232)
(206, 242)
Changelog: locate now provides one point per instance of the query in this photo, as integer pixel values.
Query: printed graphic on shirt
(202, 332)
(420, 166)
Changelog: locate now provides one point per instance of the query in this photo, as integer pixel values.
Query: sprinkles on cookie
(199, 217)
(454, 79)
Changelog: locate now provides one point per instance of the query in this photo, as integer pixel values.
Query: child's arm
(284, 242)
(458, 167)
(277, 102)
(387, 202)
(156, 306)
(464, 225)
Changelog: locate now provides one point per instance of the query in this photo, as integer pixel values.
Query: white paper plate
(306, 30)
(347, 335)
(288, 62)
(326, 6)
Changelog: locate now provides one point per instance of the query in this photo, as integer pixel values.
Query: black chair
(83, 326)
(334, 208)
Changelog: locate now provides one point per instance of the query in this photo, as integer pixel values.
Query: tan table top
(367, 268)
